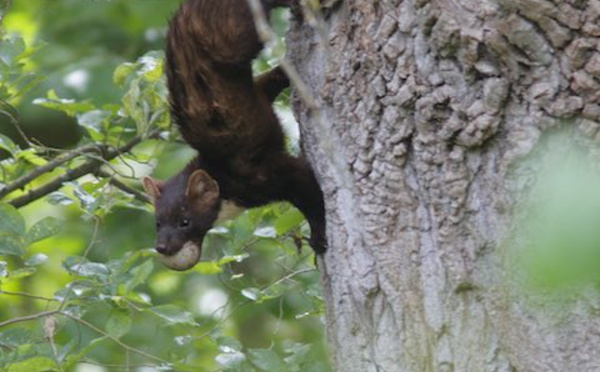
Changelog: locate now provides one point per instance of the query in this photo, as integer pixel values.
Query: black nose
(162, 249)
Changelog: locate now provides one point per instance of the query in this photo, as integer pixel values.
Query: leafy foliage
(79, 282)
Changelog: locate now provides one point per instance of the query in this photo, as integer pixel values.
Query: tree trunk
(427, 110)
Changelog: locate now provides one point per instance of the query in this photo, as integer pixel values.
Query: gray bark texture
(426, 110)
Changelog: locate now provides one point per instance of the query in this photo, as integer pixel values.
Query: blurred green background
(84, 252)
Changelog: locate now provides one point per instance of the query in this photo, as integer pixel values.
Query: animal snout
(163, 249)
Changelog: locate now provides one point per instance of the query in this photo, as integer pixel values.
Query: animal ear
(202, 186)
(153, 187)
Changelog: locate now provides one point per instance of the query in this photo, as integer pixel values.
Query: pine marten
(227, 116)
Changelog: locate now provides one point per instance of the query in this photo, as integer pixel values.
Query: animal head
(185, 209)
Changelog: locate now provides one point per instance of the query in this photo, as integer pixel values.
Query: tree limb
(90, 166)
(48, 167)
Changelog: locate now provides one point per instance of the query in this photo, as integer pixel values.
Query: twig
(48, 167)
(54, 185)
(114, 339)
(85, 254)
(224, 318)
(118, 184)
(288, 276)
(86, 324)
(125, 367)
(24, 294)
(28, 318)
(50, 331)
(266, 36)
(88, 167)
(14, 121)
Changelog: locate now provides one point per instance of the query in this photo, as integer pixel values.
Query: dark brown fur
(227, 116)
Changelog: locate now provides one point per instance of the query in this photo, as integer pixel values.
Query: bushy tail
(210, 45)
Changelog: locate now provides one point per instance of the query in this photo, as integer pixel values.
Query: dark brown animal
(227, 116)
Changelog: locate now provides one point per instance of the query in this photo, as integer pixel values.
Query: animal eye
(157, 225)
(184, 222)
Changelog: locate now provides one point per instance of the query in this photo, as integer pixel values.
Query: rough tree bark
(425, 107)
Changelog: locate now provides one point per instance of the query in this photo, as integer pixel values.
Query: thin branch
(85, 254)
(114, 339)
(28, 318)
(48, 167)
(55, 184)
(125, 367)
(223, 319)
(120, 185)
(86, 324)
(288, 276)
(14, 121)
(24, 294)
(50, 331)
(89, 166)
(265, 33)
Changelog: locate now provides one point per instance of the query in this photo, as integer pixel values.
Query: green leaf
(131, 107)
(122, 72)
(265, 232)
(135, 298)
(292, 219)
(22, 273)
(80, 288)
(15, 337)
(11, 220)
(160, 118)
(228, 344)
(75, 358)
(43, 229)
(298, 353)
(7, 144)
(235, 258)
(252, 293)
(10, 244)
(267, 244)
(87, 200)
(91, 269)
(95, 122)
(68, 106)
(151, 66)
(266, 359)
(35, 364)
(31, 157)
(59, 198)
(130, 258)
(10, 49)
(36, 260)
(118, 324)
(27, 83)
(231, 360)
(273, 291)
(173, 314)
(208, 268)
(140, 275)
(82, 267)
